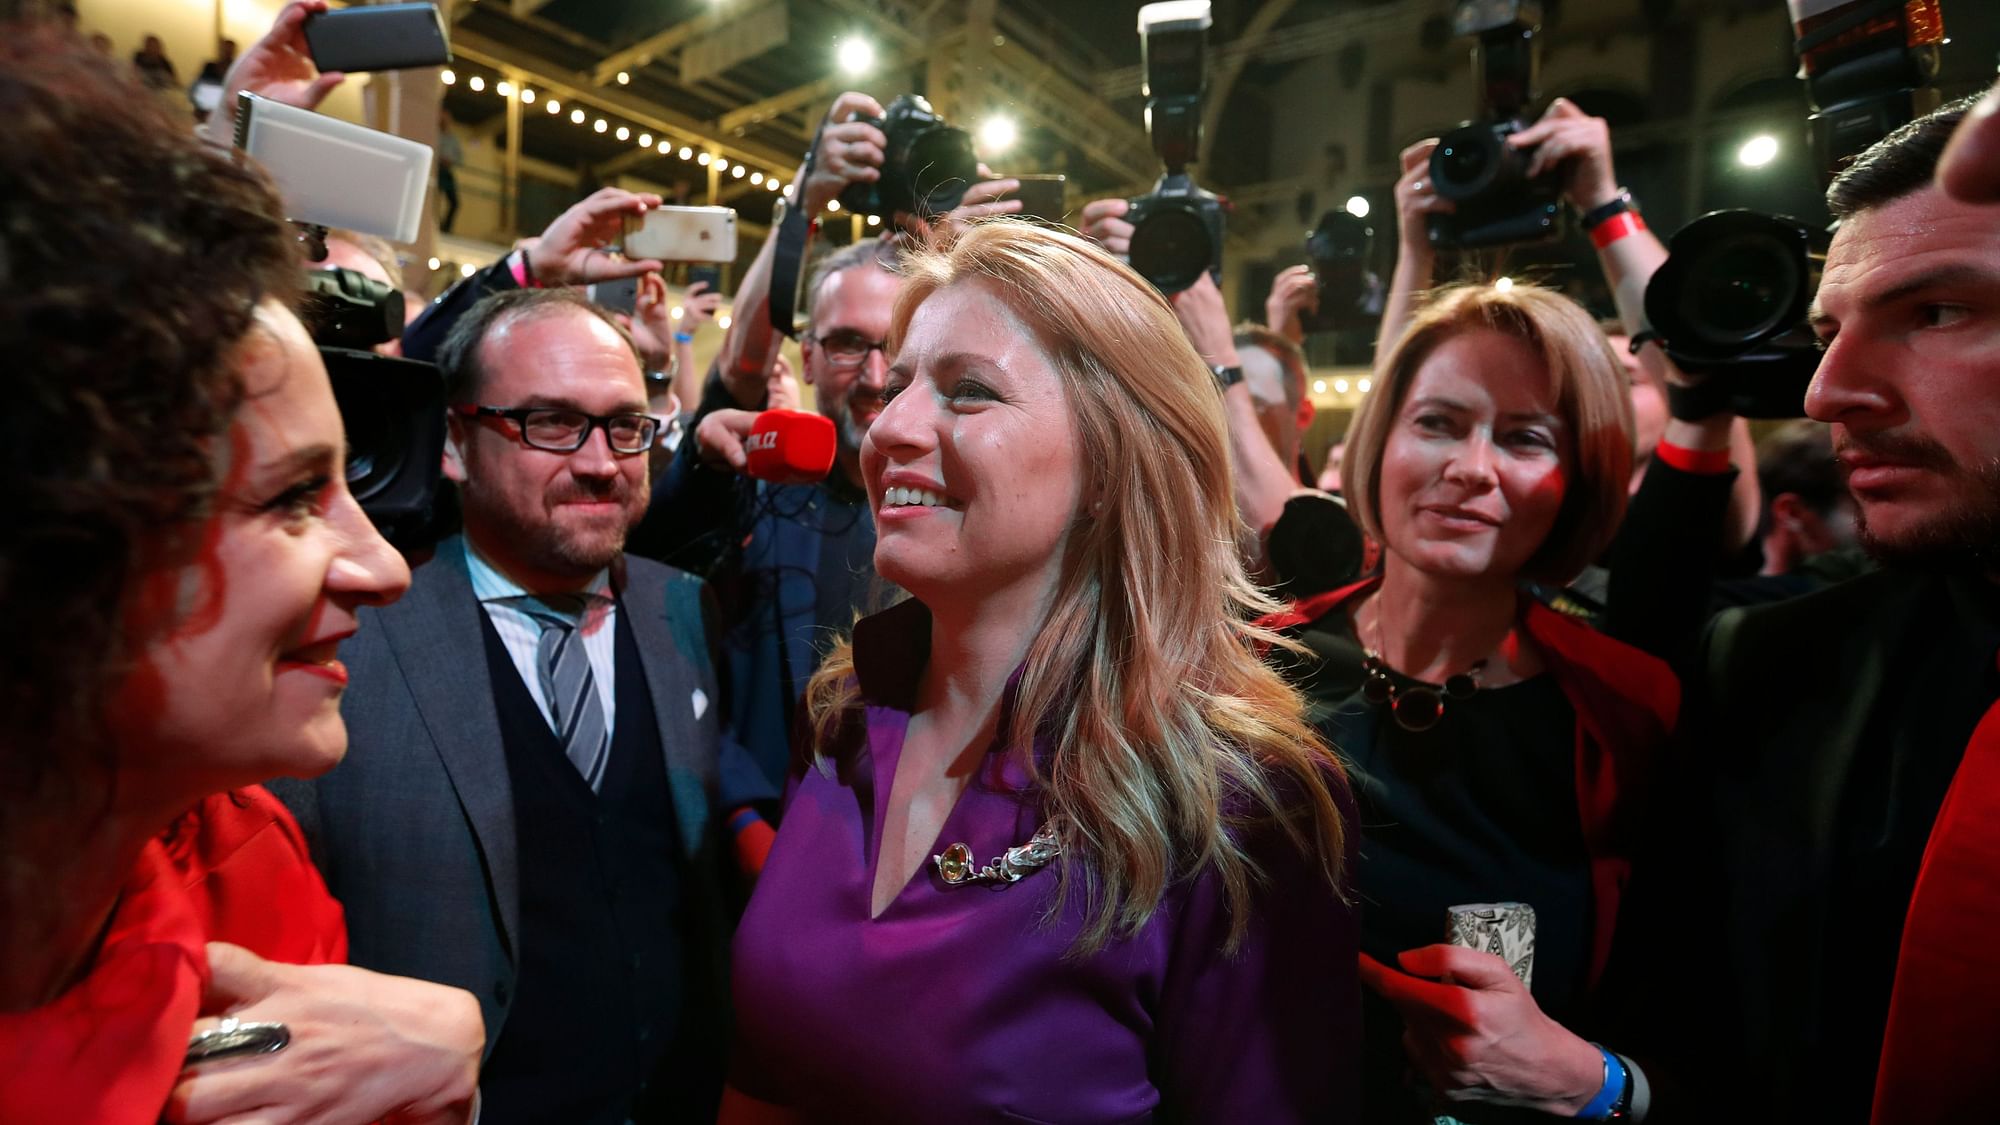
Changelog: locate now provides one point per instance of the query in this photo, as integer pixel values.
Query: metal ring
(233, 1039)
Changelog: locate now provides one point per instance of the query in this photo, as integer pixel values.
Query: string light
(703, 159)
(833, 204)
(1339, 386)
(622, 134)
(576, 116)
(434, 263)
(600, 126)
(756, 179)
(686, 153)
(722, 322)
(1365, 385)
(874, 220)
(720, 165)
(467, 270)
(666, 147)
(447, 77)
(675, 312)
(624, 78)
(528, 95)
(645, 140)
(555, 106)
(771, 184)
(476, 83)
(505, 89)
(737, 171)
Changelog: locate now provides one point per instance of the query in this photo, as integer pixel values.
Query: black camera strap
(788, 254)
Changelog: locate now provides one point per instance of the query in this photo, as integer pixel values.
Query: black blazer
(1817, 741)
(414, 830)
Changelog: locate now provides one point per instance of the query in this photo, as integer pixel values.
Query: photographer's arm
(1630, 253)
(571, 251)
(1416, 259)
(1262, 481)
(849, 152)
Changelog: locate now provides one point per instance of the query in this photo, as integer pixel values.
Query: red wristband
(517, 264)
(1704, 461)
(1615, 228)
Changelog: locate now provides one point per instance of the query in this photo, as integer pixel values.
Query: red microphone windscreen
(788, 445)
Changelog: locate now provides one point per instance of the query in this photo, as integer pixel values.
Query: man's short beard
(851, 430)
(1967, 535)
(540, 544)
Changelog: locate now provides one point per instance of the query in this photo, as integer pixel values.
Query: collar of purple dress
(891, 649)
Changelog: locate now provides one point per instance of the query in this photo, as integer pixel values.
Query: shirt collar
(489, 585)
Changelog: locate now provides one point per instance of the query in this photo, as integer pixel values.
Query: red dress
(234, 868)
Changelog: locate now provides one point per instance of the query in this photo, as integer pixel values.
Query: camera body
(1473, 166)
(1350, 295)
(347, 309)
(391, 408)
(926, 166)
(1177, 227)
(1487, 178)
(1176, 233)
(1730, 303)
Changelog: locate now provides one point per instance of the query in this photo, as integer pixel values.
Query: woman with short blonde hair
(1589, 388)
(1072, 691)
(1497, 746)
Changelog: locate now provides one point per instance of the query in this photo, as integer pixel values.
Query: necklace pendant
(954, 864)
(1417, 708)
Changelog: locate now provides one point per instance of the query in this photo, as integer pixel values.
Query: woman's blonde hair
(1165, 732)
(1591, 396)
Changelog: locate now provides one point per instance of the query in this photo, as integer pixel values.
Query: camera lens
(1733, 280)
(1170, 248)
(1740, 289)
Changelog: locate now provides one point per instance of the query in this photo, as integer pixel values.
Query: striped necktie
(576, 715)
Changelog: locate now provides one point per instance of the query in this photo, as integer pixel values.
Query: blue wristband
(1600, 1107)
(683, 337)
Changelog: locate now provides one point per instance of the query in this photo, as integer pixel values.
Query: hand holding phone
(378, 37)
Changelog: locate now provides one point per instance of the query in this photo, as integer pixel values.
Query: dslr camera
(1176, 227)
(1473, 165)
(1350, 295)
(1730, 303)
(392, 408)
(925, 169)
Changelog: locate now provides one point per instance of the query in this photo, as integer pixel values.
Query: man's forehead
(1879, 250)
(559, 349)
(860, 294)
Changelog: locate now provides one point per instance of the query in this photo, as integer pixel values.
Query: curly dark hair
(132, 257)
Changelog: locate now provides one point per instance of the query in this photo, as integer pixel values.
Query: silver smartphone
(682, 234)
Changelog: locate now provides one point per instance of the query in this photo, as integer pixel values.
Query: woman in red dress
(180, 556)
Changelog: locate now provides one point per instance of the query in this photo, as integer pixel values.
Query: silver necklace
(955, 866)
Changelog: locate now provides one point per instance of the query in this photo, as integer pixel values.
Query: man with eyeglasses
(530, 806)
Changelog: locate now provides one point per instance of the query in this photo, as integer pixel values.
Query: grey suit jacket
(414, 830)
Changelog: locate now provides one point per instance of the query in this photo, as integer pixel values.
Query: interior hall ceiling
(1066, 70)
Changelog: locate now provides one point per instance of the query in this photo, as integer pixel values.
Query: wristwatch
(1596, 216)
(1225, 377)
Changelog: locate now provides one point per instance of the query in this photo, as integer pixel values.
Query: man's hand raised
(572, 250)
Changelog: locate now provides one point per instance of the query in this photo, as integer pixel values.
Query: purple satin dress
(966, 1004)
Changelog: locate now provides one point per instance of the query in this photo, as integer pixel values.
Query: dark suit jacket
(1819, 738)
(415, 832)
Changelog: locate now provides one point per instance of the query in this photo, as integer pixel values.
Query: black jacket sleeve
(426, 334)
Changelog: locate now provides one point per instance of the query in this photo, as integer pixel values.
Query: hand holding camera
(1574, 146)
(925, 165)
(1295, 290)
(1104, 221)
(850, 152)
(1416, 200)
